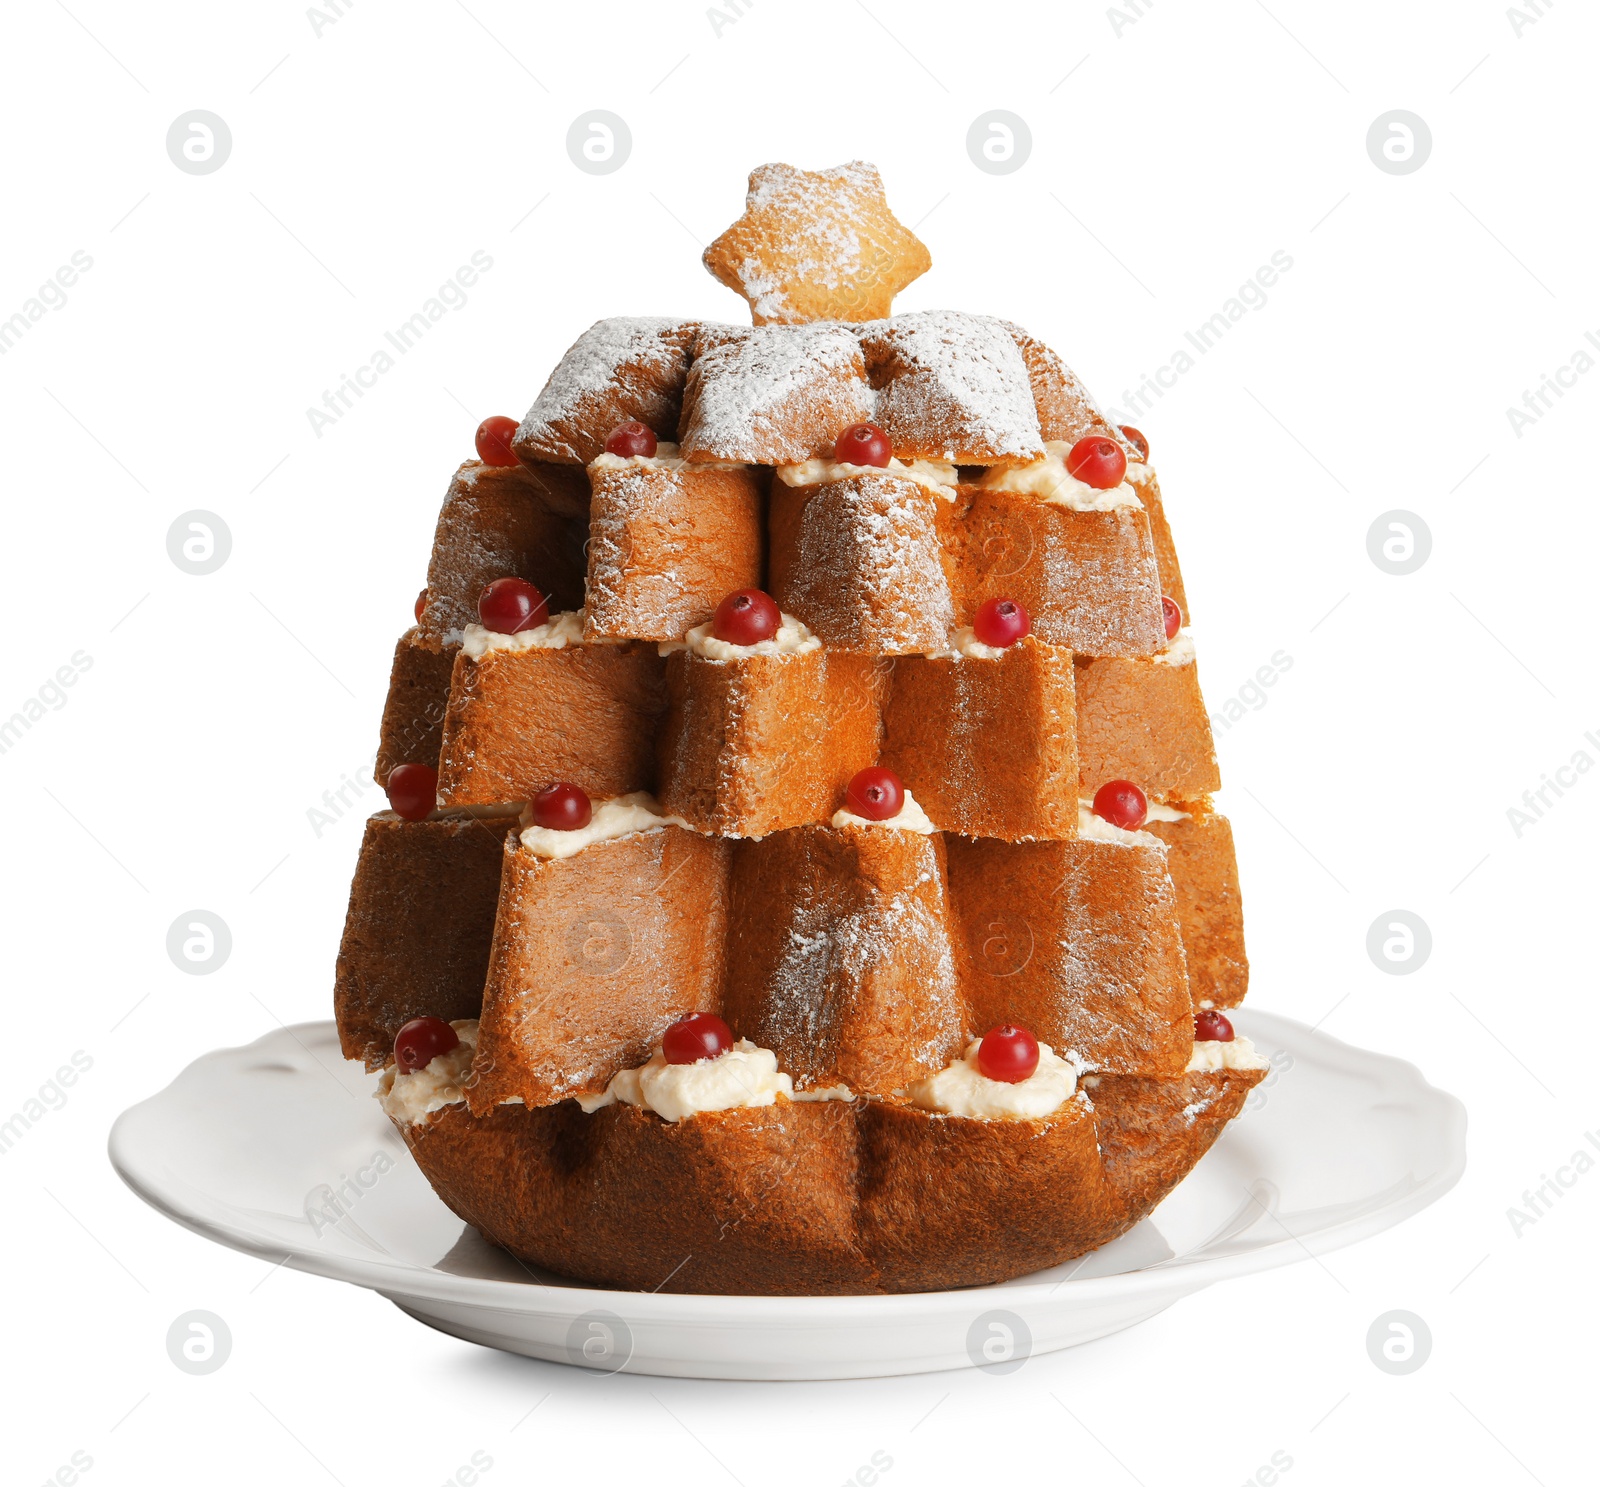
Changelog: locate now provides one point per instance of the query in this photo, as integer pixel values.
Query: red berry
(420, 605)
(697, 1036)
(863, 444)
(1138, 440)
(421, 1041)
(412, 790)
(1171, 616)
(1122, 803)
(1097, 461)
(562, 807)
(1000, 622)
(1009, 1054)
(631, 438)
(1211, 1026)
(875, 793)
(494, 440)
(746, 617)
(511, 605)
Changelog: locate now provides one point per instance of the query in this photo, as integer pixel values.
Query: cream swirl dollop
(936, 475)
(743, 1077)
(964, 644)
(911, 817)
(963, 1089)
(621, 815)
(792, 639)
(1048, 479)
(1179, 651)
(1211, 1056)
(408, 1098)
(556, 633)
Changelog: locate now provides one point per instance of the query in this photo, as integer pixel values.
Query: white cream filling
(622, 815)
(409, 1098)
(1138, 473)
(743, 1077)
(1094, 828)
(961, 1089)
(1049, 481)
(556, 633)
(1156, 811)
(965, 645)
(911, 817)
(666, 457)
(936, 475)
(1179, 651)
(1239, 1054)
(792, 639)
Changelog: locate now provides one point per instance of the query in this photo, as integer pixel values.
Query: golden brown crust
(493, 524)
(1077, 941)
(947, 1201)
(1205, 875)
(1166, 552)
(742, 1202)
(593, 957)
(666, 546)
(756, 745)
(859, 561)
(1153, 1131)
(1067, 410)
(417, 933)
(1144, 720)
(772, 396)
(621, 369)
(987, 745)
(825, 1198)
(839, 956)
(952, 387)
(521, 720)
(1087, 578)
(414, 709)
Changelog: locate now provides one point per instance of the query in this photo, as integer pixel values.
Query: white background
(1171, 157)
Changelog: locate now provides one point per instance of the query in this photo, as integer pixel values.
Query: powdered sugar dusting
(868, 573)
(773, 394)
(952, 387)
(630, 366)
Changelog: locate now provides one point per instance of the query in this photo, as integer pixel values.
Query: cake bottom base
(824, 1198)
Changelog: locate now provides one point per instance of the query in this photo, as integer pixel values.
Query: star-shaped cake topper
(817, 245)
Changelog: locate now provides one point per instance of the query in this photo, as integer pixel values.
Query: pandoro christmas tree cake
(801, 874)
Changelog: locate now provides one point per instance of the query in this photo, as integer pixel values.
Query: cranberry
(746, 617)
(1171, 616)
(631, 438)
(1138, 440)
(863, 444)
(1097, 461)
(562, 807)
(420, 605)
(1122, 803)
(875, 793)
(1210, 1026)
(1009, 1054)
(510, 605)
(697, 1036)
(421, 1041)
(494, 440)
(1000, 622)
(412, 790)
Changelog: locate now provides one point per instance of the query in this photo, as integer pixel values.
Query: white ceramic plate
(277, 1149)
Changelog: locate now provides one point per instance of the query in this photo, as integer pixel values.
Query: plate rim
(564, 1302)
